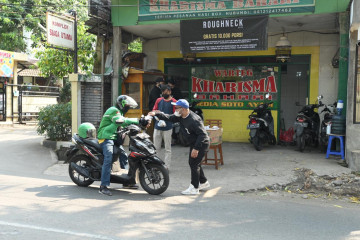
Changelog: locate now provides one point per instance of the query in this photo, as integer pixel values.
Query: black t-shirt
(154, 94)
(176, 93)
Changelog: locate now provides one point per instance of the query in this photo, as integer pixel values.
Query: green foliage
(135, 46)
(54, 62)
(19, 15)
(65, 93)
(55, 122)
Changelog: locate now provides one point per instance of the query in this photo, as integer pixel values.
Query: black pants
(197, 173)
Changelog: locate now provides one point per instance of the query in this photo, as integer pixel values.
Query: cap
(160, 79)
(165, 87)
(181, 103)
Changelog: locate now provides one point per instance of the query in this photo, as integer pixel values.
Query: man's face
(179, 110)
(166, 92)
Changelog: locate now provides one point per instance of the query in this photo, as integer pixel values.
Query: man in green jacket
(107, 134)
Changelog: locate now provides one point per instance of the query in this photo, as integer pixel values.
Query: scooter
(86, 159)
(261, 125)
(307, 126)
(325, 124)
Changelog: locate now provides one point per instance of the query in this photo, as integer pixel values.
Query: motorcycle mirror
(320, 97)
(267, 95)
(195, 95)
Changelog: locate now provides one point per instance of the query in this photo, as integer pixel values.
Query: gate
(2, 102)
(31, 98)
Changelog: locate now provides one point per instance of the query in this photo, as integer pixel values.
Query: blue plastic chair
(342, 152)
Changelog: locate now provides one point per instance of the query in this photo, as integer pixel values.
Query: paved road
(38, 206)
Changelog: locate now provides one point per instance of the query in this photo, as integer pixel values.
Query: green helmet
(87, 130)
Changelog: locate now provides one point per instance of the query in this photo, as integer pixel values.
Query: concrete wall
(352, 130)
(328, 43)
(33, 104)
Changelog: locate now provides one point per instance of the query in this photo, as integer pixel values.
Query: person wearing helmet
(107, 134)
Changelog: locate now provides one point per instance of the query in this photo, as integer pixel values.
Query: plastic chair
(342, 151)
(216, 147)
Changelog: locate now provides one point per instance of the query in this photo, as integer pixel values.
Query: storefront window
(181, 76)
(357, 87)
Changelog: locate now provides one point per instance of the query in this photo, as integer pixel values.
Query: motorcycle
(86, 159)
(307, 126)
(261, 125)
(327, 121)
(195, 109)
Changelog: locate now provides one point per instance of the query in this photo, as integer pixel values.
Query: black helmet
(124, 103)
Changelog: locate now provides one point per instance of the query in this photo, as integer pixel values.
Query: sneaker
(130, 186)
(104, 190)
(191, 191)
(204, 185)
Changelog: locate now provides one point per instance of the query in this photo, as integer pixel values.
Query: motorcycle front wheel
(84, 162)
(300, 142)
(157, 181)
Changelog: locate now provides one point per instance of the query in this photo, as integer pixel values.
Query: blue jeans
(108, 150)
(123, 159)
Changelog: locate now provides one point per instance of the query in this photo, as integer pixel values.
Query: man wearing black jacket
(192, 128)
(155, 93)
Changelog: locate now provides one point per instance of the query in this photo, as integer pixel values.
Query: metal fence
(30, 99)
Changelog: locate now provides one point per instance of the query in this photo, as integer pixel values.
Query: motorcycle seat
(94, 143)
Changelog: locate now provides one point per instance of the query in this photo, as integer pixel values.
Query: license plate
(303, 124)
(252, 126)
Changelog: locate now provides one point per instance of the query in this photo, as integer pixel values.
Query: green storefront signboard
(235, 87)
(186, 9)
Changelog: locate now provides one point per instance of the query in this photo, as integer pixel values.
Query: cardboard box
(215, 136)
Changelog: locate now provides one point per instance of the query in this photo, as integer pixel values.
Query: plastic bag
(287, 136)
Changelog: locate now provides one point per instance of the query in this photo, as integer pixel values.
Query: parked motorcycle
(197, 110)
(261, 125)
(307, 126)
(327, 121)
(86, 161)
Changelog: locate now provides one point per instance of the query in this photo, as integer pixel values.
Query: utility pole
(75, 43)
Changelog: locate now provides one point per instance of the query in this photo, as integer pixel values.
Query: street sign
(60, 31)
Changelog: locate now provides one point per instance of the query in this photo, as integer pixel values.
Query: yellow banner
(6, 64)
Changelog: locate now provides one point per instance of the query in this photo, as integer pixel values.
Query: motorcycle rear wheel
(257, 143)
(157, 182)
(300, 142)
(79, 180)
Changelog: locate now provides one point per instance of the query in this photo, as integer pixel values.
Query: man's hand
(143, 122)
(154, 112)
(194, 153)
